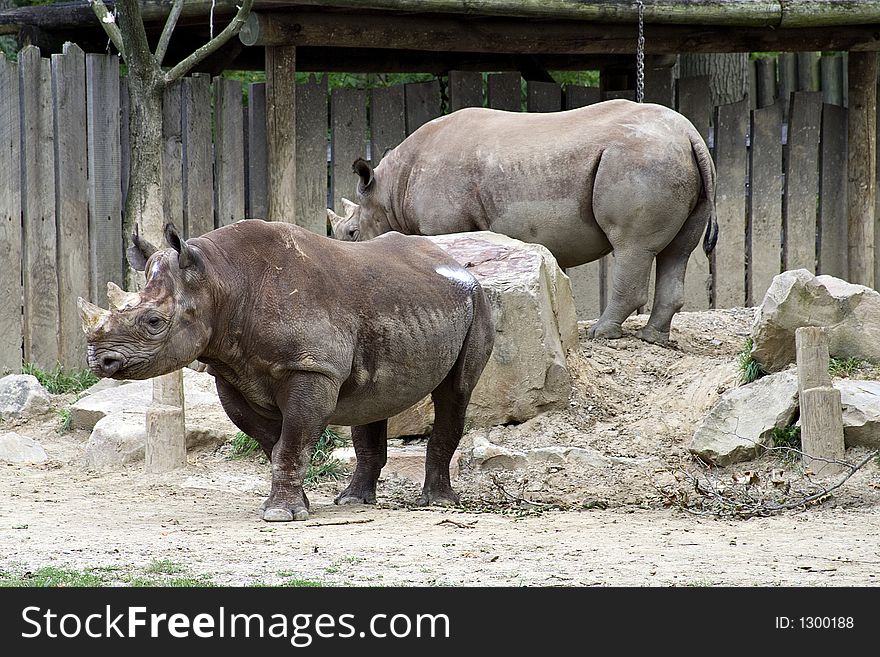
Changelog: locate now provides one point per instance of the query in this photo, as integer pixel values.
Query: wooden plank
(543, 96)
(624, 94)
(731, 126)
(198, 156)
(10, 219)
(257, 163)
(124, 138)
(228, 151)
(172, 154)
(465, 89)
(831, 75)
(38, 211)
(802, 181)
(105, 200)
(808, 71)
(765, 252)
(587, 284)
(786, 68)
(422, 104)
(833, 229)
(505, 91)
(578, 96)
(281, 132)
(659, 83)
(387, 120)
(311, 156)
(765, 87)
(862, 166)
(694, 103)
(348, 134)
(71, 199)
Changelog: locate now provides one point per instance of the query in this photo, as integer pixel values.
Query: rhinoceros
(636, 179)
(301, 331)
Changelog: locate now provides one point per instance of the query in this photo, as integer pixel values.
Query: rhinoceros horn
(91, 315)
(119, 298)
(349, 207)
(334, 219)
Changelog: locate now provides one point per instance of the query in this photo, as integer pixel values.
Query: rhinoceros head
(159, 329)
(366, 220)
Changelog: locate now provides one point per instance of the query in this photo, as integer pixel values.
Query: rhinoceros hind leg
(629, 291)
(371, 448)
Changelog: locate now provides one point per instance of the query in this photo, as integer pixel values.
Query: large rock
(117, 417)
(21, 395)
(15, 448)
(744, 418)
(860, 401)
(535, 327)
(797, 298)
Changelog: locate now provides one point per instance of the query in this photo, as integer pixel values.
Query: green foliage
(323, 466)
(301, 583)
(581, 78)
(66, 420)
(163, 567)
(60, 381)
(846, 367)
(50, 577)
(243, 445)
(789, 436)
(749, 369)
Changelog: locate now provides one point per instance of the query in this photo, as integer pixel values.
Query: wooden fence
(64, 164)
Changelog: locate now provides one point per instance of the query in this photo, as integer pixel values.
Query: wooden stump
(821, 413)
(166, 446)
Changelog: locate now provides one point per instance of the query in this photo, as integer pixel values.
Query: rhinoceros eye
(154, 323)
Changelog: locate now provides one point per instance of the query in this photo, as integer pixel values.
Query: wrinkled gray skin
(301, 331)
(633, 178)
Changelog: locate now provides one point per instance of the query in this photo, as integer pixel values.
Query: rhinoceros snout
(109, 363)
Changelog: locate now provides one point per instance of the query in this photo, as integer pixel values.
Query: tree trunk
(728, 74)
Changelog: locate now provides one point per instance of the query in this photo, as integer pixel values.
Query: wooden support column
(821, 413)
(281, 132)
(861, 161)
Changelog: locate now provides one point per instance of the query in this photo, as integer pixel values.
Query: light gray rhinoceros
(301, 331)
(633, 178)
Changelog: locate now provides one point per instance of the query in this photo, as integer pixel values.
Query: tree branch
(170, 24)
(108, 23)
(213, 45)
(137, 48)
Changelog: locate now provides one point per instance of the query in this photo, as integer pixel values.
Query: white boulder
(15, 448)
(21, 396)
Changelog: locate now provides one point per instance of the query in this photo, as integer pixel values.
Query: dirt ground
(551, 524)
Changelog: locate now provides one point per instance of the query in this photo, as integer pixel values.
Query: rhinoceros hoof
(449, 498)
(607, 331)
(652, 335)
(350, 498)
(277, 514)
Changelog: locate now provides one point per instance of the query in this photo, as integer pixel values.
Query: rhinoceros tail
(707, 175)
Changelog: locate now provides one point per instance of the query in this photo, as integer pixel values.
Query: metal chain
(640, 56)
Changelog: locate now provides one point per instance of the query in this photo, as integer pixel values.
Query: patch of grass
(749, 369)
(846, 367)
(60, 381)
(243, 445)
(789, 436)
(174, 582)
(50, 576)
(65, 420)
(324, 466)
(163, 567)
(301, 583)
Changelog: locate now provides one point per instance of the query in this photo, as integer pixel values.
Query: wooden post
(10, 218)
(281, 132)
(861, 165)
(821, 414)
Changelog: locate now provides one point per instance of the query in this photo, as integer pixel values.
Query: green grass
(50, 576)
(60, 381)
(789, 436)
(153, 575)
(65, 420)
(847, 367)
(163, 567)
(323, 467)
(293, 582)
(749, 369)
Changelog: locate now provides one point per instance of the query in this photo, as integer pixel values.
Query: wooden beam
(281, 132)
(861, 165)
(467, 34)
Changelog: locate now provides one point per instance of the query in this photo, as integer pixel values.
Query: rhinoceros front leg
(308, 401)
(371, 449)
(629, 291)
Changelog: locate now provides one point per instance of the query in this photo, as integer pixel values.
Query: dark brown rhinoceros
(635, 179)
(301, 331)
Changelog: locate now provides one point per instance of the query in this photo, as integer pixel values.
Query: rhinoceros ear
(139, 251)
(365, 172)
(186, 255)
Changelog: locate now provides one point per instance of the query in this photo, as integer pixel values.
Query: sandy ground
(632, 402)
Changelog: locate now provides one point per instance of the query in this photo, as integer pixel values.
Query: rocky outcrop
(860, 401)
(22, 396)
(796, 298)
(535, 326)
(744, 418)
